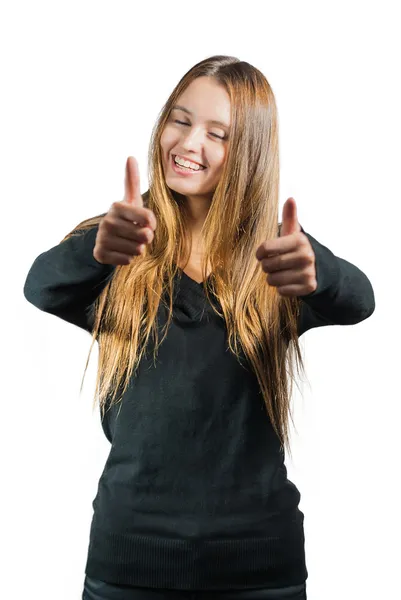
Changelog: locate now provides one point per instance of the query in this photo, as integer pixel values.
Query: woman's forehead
(206, 100)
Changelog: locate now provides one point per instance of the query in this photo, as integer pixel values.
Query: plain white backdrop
(82, 85)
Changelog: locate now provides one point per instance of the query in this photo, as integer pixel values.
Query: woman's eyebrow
(178, 107)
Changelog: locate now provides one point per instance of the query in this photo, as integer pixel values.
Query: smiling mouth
(189, 169)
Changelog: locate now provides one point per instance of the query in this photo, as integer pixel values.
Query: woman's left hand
(293, 271)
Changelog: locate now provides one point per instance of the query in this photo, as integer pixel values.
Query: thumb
(132, 183)
(290, 222)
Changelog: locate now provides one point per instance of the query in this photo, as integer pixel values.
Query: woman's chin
(186, 186)
(183, 187)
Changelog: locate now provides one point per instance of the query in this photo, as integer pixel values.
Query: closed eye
(213, 134)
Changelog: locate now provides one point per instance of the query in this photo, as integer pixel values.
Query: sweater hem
(198, 564)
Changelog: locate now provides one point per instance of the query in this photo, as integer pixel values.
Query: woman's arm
(344, 294)
(67, 279)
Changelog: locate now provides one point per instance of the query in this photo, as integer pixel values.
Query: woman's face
(197, 131)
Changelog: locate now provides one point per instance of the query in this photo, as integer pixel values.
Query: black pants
(99, 590)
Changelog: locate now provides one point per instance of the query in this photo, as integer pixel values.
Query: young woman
(197, 297)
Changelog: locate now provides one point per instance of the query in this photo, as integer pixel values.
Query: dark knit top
(194, 494)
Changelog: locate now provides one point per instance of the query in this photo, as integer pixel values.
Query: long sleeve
(67, 279)
(344, 294)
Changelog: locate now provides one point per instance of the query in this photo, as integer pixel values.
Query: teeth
(187, 164)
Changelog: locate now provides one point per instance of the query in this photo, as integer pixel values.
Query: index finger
(276, 246)
(132, 183)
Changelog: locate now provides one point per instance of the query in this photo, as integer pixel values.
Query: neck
(196, 210)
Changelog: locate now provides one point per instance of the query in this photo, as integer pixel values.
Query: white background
(82, 85)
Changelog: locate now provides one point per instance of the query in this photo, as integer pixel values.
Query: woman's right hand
(118, 239)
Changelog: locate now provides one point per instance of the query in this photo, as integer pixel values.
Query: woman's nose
(193, 139)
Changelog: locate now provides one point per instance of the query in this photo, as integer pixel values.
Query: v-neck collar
(196, 283)
(190, 299)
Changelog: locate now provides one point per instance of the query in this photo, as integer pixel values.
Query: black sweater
(194, 493)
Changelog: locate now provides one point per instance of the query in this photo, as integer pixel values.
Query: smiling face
(197, 130)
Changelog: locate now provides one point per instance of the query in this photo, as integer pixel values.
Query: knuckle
(308, 256)
(99, 254)
(100, 235)
(148, 218)
(145, 239)
(144, 220)
(312, 284)
(109, 224)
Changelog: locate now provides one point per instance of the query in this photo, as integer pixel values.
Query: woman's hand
(128, 226)
(289, 260)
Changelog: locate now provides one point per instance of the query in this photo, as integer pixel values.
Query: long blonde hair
(243, 213)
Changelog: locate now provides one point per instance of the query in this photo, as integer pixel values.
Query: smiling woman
(194, 494)
(200, 139)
